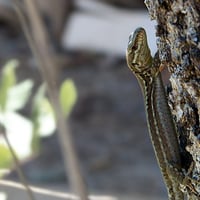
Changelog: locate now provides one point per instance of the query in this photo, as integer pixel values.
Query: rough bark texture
(178, 32)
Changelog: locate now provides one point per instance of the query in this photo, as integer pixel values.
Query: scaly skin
(160, 123)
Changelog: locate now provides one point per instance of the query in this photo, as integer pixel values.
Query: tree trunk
(178, 32)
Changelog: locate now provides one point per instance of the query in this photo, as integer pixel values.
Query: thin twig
(40, 46)
(52, 193)
(12, 184)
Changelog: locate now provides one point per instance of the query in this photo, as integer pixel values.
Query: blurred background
(104, 104)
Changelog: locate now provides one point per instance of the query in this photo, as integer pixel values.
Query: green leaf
(6, 157)
(39, 95)
(19, 132)
(42, 113)
(18, 95)
(8, 79)
(68, 96)
(42, 118)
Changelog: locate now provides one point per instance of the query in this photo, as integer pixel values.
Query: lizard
(159, 118)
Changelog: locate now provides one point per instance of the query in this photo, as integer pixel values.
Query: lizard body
(160, 123)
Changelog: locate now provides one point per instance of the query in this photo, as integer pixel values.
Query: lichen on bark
(178, 42)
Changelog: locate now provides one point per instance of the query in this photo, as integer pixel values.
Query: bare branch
(51, 193)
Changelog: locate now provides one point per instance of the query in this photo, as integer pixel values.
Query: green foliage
(14, 97)
(68, 96)
(42, 117)
(6, 157)
(18, 95)
(8, 79)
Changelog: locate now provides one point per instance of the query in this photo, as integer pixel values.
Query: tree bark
(178, 42)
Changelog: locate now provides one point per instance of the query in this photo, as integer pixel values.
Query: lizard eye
(135, 47)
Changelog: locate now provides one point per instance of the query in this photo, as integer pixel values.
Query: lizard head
(138, 54)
